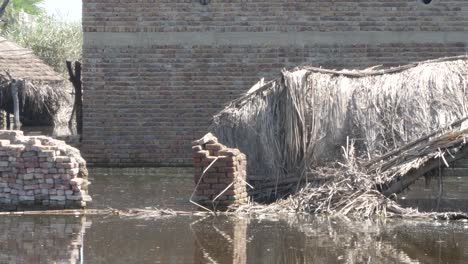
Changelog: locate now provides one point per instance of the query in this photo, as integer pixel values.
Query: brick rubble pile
(40, 172)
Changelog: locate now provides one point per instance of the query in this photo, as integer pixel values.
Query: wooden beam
(414, 142)
(408, 179)
(75, 78)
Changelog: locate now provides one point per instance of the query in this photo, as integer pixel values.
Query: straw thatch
(45, 97)
(396, 124)
(301, 119)
(365, 189)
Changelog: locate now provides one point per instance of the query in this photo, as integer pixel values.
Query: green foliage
(28, 6)
(51, 38)
(16, 7)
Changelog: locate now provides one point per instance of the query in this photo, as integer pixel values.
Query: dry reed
(300, 120)
(294, 127)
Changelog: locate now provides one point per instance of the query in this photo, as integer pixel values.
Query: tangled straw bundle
(292, 124)
(352, 190)
(348, 191)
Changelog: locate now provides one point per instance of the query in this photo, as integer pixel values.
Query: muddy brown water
(293, 239)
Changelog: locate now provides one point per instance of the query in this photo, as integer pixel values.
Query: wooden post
(75, 78)
(8, 121)
(14, 93)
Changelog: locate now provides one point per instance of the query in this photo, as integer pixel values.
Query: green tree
(11, 17)
(51, 38)
(31, 7)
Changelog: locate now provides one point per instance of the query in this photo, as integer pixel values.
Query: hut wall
(36, 172)
(156, 71)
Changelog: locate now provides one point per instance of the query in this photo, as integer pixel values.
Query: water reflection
(35, 239)
(295, 241)
(115, 240)
(322, 240)
(229, 240)
(220, 240)
(450, 193)
(141, 187)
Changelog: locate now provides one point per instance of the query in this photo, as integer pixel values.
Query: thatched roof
(350, 139)
(304, 117)
(21, 63)
(45, 97)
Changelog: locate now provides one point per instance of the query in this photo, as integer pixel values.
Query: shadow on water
(114, 239)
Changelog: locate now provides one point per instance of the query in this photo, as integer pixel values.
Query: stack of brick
(37, 172)
(220, 173)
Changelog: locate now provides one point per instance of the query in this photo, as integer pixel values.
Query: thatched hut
(45, 98)
(347, 142)
(302, 119)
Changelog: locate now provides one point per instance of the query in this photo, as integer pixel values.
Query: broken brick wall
(220, 173)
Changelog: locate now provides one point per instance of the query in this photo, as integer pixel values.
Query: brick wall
(154, 73)
(274, 15)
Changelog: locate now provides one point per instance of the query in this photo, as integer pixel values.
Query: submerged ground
(113, 239)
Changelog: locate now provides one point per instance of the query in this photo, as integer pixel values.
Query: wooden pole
(75, 78)
(14, 93)
(8, 121)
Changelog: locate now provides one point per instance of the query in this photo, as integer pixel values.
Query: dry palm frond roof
(45, 95)
(21, 63)
(302, 118)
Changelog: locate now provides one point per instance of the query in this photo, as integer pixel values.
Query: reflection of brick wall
(36, 171)
(225, 170)
(41, 240)
(226, 241)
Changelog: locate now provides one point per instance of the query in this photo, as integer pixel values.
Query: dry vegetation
(294, 127)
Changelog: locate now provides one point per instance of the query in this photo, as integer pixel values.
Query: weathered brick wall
(156, 71)
(37, 172)
(220, 173)
(274, 15)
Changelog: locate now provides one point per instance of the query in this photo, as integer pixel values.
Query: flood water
(113, 239)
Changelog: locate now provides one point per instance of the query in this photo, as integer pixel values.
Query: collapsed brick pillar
(220, 173)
